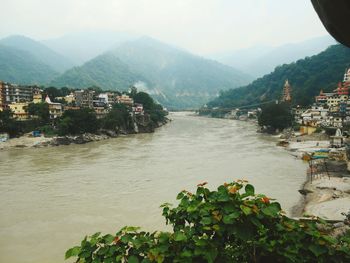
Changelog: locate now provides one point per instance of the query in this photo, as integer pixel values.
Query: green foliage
(40, 51)
(47, 130)
(105, 71)
(78, 122)
(7, 124)
(231, 224)
(19, 66)
(155, 110)
(14, 127)
(41, 110)
(117, 118)
(277, 116)
(307, 76)
(185, 80)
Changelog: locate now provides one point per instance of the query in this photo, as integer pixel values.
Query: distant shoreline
(27, 141)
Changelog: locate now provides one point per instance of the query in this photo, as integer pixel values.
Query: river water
(50, 198)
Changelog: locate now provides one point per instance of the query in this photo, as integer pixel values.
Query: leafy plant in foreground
(231, 224)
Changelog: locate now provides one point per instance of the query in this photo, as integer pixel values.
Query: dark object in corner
(334, 15)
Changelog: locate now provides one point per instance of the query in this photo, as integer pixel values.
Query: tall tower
(347, 75)
(287, 92)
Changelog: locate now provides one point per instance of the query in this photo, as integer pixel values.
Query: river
(50, 198)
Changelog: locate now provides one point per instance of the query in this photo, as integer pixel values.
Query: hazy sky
(202, 26)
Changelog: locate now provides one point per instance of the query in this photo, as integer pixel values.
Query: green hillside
(18, 66)
(106, 71)
(41, 52)
(307, 76)
(174, 77)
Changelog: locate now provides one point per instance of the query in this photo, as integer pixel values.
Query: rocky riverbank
(28, 141)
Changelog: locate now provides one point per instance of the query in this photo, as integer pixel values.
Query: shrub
(277, 116)
(78, 122)
(231, 224)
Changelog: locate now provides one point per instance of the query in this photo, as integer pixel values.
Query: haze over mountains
(40, 51)
(80, 47)
(260, 60)
(174, 77)
(112, 60)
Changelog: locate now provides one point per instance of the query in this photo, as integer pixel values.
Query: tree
(7, 123)
(155, 110)
(117, 118)
(277, 116)
(230, 224)
(145, 99)
(41, 110)
(78, 122)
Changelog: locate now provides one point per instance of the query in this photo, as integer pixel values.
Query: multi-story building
(125, 99)
(108, 97)
(347, 76)
(84, 98)
(19, 110)
(14, 93)
(37, 96)
(55, 109)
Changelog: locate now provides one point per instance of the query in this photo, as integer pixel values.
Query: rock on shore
(37, 142)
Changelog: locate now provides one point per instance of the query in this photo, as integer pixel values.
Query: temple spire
(287, 92)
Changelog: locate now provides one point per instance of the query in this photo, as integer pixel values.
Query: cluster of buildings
(330, 110)
(17, 98)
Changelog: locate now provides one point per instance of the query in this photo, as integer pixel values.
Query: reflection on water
(51, 197)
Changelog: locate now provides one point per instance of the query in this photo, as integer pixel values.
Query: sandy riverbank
(327, 195)
(24, 141)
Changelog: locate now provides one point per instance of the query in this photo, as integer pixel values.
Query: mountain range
(117, 60)
(306, 76)
(260, 60)
(174, 77)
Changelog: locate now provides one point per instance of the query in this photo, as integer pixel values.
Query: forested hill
(176, 78)
(21, 67)
(306, 76)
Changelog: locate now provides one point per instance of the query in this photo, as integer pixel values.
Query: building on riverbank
(84, 98)
(19, 110)
(55, 109)
(330, 110)
(10, 93)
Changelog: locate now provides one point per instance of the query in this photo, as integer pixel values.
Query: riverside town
(35, 113)
(162, 131)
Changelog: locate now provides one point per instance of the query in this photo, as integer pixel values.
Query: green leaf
(317, 249)
(272, 210)
(72, 252)
(206, 221)
(249, 189)
(133, 259)
(229, 219)
(246, 210)
(108, 238)
(180, 195)
(179, 236)
(96, 235)
(132, 228)
(186, 254)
